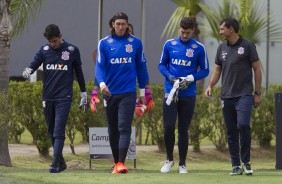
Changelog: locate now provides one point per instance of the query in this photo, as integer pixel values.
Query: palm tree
(209, 23)
(14, 15)
(186, 8)
(248, 12)
(250, 15)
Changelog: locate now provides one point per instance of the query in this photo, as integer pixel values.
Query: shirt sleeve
(164, 62)
(203, 64)
(77, 65)
(100, 63)
(141, 68)
(147, 75)
(253, 55)
(217, 56)
(37, 61)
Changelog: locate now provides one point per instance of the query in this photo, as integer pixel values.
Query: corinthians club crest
(65, 55)
(241, 50)
(128, 48)
(189, 53)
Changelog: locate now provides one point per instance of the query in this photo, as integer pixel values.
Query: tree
(14, 15)
(186, 8)
(4, 108)
(251, 14)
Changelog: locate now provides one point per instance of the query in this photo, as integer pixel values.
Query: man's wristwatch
(258, 93)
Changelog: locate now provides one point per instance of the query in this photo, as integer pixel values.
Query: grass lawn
(208, 166)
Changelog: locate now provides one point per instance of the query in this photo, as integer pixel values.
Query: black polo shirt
(236, 61)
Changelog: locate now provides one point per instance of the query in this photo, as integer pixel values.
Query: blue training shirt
(119, 61)
(181, 59)
(58, 67)
(96, 83)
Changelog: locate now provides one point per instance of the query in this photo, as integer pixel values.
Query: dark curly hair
(51, 31)
(187, 23)
(231, 22)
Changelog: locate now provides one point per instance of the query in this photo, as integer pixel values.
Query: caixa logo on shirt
(121, 60)
(57, 67)
(181, 62)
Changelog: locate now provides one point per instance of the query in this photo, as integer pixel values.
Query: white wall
(78, 21)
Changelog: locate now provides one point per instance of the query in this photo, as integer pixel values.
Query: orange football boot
(120, 167)
(115, 169)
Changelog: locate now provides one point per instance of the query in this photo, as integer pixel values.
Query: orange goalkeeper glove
(94, 100)
(139, 110)
(149, 103)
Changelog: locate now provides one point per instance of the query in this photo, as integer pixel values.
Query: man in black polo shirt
(236, 59)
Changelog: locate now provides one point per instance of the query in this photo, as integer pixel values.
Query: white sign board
(99, 145)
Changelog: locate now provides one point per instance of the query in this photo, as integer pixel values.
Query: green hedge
(26, 111)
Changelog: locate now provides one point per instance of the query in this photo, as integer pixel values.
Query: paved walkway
(31, 150)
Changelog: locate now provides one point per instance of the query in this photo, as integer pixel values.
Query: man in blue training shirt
(139, 111)
(181, 57)
(119, 62)
(59, 59)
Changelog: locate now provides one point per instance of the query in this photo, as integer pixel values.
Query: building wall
(78, 21)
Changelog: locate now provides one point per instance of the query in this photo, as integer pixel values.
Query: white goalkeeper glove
(83, 101)
(180, 83)
(190, 78)
(184, 82)
(173, 94)
(26, 73)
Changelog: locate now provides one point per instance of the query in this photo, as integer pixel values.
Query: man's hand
(105, 90)
(26, 73)
(83, 101)
(171, 79)
(208, 93)
(257, 101)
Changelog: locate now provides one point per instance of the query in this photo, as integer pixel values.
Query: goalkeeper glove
(139, 110)
(149, 100)
(184, 82)
(94, 100)
(190, 78)
(26, 73)
(149, 103)
(140, 107)
(83, 101)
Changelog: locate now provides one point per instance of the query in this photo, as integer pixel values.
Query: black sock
(122, 154)
(115, 155)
